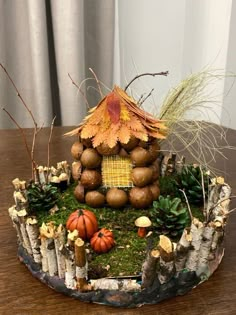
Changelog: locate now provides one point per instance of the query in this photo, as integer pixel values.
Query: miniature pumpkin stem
(142, 232)
(100, 234)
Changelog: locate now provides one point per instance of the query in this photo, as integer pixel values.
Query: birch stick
(196, 231)
(15, 220)
(149, 268)
(207, 237)
(60, 236)
(70, 274)
(22, 219)
(33, 234)
(81, 265)
(182, 249)
(115, 284)
(167, 266)
(49, 258)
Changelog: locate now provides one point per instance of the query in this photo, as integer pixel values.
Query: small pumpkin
(84, 221)
(102, 241)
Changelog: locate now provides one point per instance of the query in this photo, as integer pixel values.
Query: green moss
(127, 257)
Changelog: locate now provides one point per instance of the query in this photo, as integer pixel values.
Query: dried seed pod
(77, 150)
(116, 198)
(131, 144)
(141, 176)
(155, 189)
(104, 149)
(79, 193)
(91, 179)
(90, 158)
(76, 170)
(94, 199)
(140, 156)
(140, 197)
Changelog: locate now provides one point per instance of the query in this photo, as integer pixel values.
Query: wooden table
(22, 294)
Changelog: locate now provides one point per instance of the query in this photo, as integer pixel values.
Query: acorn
(77, 150)
(140, 156)
(116, 198)
(94, 199)
(91, 179)
(104, 149)
(90, 158)
(140, 197)
(141, 176)
(79, 193)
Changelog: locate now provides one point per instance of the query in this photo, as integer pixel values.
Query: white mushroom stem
(33, 234)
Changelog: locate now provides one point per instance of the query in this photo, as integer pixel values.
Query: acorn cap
(143, 222)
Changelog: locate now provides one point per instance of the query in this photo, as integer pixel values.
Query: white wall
(181, 36)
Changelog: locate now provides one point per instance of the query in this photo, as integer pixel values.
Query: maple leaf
(113, 107)
(124, 134)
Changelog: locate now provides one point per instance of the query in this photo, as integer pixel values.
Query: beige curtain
(40, 43)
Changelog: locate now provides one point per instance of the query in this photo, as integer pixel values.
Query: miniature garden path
(20, 293)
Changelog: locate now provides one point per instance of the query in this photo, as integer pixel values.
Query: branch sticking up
(19, 95)
(145, 98)
(98, 83)
(81, 92)
(188, 206)
(164, 73)
(49, 141)
(23, 136)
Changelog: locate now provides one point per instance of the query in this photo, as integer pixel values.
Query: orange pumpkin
(102, 241)
(84, 221)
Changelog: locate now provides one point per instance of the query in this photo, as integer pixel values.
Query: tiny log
(207, 237)
(167, 266)
(60, 235)
(41, 173)
(15, 220)
(115, 284)
(49, 258)
(68, 252)
(20, 200)
(149, 268)
(22, 219)
(196, 231)
(33, 234)
(182, 249)
(81, 265)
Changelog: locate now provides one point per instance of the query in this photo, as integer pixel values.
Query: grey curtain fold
(40, 43)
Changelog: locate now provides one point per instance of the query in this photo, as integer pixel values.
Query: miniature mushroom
(142, 223)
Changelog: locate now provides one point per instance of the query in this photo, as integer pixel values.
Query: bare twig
(203, 192)
(49, 141)
(19, 95)
(188, 206)
(23, 136)
(165, 73)
(81, 92)
(145, 98)
(98, 83)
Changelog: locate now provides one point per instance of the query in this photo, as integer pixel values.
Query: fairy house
(117, 154)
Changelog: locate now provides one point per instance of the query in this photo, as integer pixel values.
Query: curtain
(42, 41)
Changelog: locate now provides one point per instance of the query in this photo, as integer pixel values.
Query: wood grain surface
(21, 294)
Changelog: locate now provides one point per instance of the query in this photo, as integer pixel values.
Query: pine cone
(190, 180)
(169, 216)
(41, 198)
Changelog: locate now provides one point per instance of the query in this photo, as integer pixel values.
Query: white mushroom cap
(143, 222)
